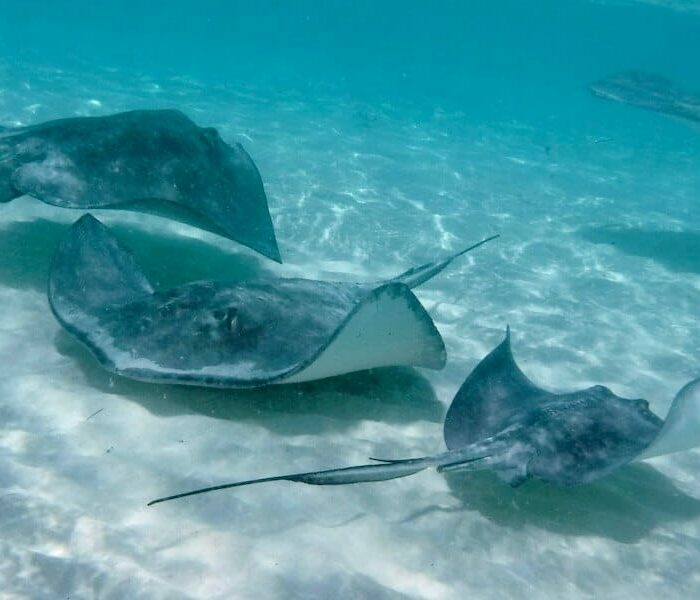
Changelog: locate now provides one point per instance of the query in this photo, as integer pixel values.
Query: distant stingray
(499, 420)
(150, 161)
(649, 91)
(235, 335)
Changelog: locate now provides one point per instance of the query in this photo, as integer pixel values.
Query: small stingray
(235, 335)
(499, 420)
(150, 161)
(649, 91)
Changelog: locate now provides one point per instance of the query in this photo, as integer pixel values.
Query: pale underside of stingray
(150, 161)
(235, 335)
(649, 91)
(499, 420)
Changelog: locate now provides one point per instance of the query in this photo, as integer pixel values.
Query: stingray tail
(470, 464)
(345, 476)
(418, 275)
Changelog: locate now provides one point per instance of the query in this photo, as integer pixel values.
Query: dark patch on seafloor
(678, 251)
(27, 248)
(624, 506)
(295, 586)
(391, 395)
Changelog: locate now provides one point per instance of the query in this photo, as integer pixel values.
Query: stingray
(149, 161)
(500, 420)
(235, 334)
(649, 91)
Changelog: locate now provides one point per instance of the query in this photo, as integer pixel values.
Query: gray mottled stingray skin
(152, 161)
(234, 335)
(649, 91)
(500, 420)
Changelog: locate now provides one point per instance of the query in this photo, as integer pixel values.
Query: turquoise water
(387, 134)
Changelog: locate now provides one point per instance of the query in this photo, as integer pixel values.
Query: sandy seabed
(597, 272)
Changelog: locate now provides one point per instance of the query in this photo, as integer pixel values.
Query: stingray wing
(492, 393)
(92, 268)
(157, 162)
(8, 165)
(388, 327)
(681, 428)
(231, 335)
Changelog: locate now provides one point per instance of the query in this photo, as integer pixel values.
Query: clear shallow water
(386, 137)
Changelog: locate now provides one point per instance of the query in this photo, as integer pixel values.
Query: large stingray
(244, 334)
(500, 420)
(649, 91)
(152, 161)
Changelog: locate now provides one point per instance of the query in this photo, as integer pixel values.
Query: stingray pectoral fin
(492, 393)
(8, 164)
(171, 211)
(418, 275)
(7, 190)
(91, 269)
(681, 429)
(53, 180)
(345, 476)
(389, 327)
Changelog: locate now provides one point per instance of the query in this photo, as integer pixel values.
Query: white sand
(364, 191)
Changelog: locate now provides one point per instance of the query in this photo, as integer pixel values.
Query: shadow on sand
(625, 506)
(27, 248)
(391, 395)
(678, 251)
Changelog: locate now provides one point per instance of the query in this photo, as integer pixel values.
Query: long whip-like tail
(344, 476)
(418, 275)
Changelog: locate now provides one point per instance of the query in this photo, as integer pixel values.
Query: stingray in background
(649, 91)
(500, 420)
(235, 335)
(151, 161)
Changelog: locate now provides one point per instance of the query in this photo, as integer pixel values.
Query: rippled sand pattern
(597, 272)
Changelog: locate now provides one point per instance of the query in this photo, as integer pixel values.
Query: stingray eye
(232, 320)
(229, 317)
(641, 404)
(210, 136)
